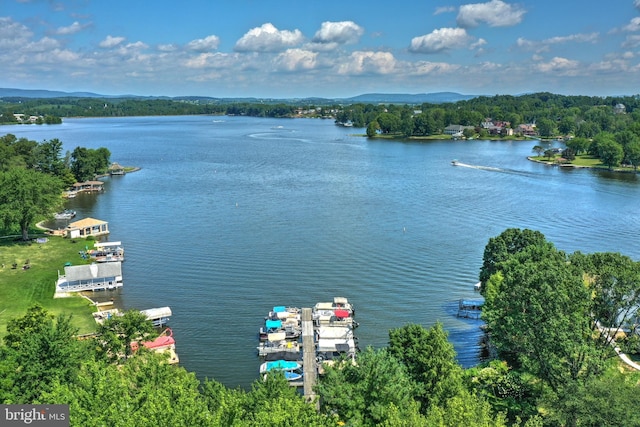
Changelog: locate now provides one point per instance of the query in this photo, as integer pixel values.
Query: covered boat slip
(337, 345)
(159, 316)
(90, 277)
(334, 333)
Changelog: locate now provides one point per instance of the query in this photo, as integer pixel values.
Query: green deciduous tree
(430, 360)
(464, 409)
(118, 332)
(610, 152)
(610, 400)
(632, 153)
(501, 247)
(144, 391)
(362, 394)
(372, 129)
(40, 351)
(539, 317)
(546, 127)
(86, 163)
(538, 149)
(504, 388)
(274, 402)
(614, 281)
(578, 145)
(26, 196)
(389, 123)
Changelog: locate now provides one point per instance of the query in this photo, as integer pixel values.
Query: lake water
(230, 216)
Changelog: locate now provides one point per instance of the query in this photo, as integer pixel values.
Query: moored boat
(277, 342)
(280, 365)
(281, 312)
(65, 214)
(290, 327)
(107, 252)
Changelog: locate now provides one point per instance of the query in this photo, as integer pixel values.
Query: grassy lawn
(588, 161)
(20, 289)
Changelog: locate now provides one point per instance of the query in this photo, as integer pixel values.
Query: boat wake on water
(493, 169)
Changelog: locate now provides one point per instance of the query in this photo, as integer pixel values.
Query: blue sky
(329, 48)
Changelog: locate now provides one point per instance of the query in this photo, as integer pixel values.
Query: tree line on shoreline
(551, 317)
(553, 114)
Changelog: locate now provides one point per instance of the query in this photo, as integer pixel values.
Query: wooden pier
(309, 369)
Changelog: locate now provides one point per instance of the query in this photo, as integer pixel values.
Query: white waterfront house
(87, 227)
(90, 277)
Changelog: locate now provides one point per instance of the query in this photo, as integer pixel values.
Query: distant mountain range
(369, 98)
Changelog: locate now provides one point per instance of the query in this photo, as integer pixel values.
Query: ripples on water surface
(230, 216)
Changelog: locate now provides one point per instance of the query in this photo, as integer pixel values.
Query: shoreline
(569, 165)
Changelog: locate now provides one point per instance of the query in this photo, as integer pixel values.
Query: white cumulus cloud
(495, 13)
(111, 41)
(268, 38)
(343, 32)
(440, 40)
(296, 59)
(211, 60)
(631, 42)
(42, 45)
(74, 28)
(426, 67)
(544, 45)
(364, 62)
(633, 25)
(205, 44)
(13, 34)
(444, 9)
(558, 65)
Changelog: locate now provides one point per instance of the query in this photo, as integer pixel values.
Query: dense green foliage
(553, 318)
(33, 176)
(27, 195)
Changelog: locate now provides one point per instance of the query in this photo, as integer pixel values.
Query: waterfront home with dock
(92, 277)
(87, 227)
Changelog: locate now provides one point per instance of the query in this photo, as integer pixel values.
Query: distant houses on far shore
(493, 128)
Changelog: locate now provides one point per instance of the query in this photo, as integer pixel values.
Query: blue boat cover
(292, 376)
(282, 364)
(279, 309)
(273, 324)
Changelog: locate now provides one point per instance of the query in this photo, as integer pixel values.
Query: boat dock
(300, 342)
(470, 308)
